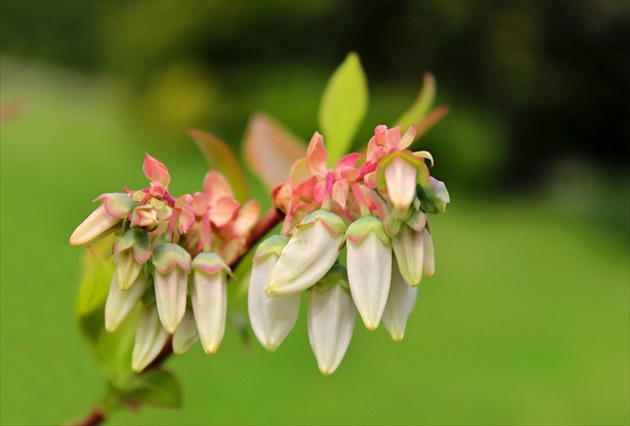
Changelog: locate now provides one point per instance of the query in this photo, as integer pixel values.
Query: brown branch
(273, 217)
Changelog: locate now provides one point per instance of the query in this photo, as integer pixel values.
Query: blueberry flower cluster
(356, 236)
(173, 254)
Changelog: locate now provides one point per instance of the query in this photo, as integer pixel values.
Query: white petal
(369, 275)
(170, 297)
(409, 250)
(209, 302)
(306, 258)
(186, 334)
(429, 255)
(127, 269)
(150, 339)
(272, 318)
(119, 302)
(400, 180)
(400, 303)
(97, 224)
(331, 318)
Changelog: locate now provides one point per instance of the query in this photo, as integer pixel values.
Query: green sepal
(343, 107)
(117, 204)
(333, 223)
(337, 275)
(138, 241)
(433, 197)
(359, 229)
(417, 221)
(210, 263)
(167, 255)
(272, 245)
(392, 225)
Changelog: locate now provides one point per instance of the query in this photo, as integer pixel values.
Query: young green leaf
(420, 107)
(153, 388)
(94, 287)
(222, 158)
(343, 107)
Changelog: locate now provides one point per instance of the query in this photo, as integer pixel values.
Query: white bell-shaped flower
(369, 268)
(400, 303)
(133, 250)
(172, 266)
(186, 334)
(408, 247)
(272, 318)
(104, 220)
(120, 302)
(209, 299)
(331, 319)
(309, 254)
(150, 339)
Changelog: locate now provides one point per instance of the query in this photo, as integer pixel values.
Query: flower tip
(371, 325)
(271, 345)
(210, 349)
(326, 370)
(397, 337)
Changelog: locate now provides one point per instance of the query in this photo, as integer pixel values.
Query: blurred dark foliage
(530, 82)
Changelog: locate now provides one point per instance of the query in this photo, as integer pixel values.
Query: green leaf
(343, 107)
(223, 159)
(94, 287)
(420, 107)
(153, 388)
(114, 349)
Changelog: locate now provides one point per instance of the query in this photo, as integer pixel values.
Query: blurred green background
(527, 318)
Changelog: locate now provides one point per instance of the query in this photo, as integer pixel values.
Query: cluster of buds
(162, 241)
(356, 236)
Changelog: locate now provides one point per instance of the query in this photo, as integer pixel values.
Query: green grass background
(525, 322)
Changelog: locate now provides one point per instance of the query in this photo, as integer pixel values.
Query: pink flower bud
(145, 218)
(400, 180)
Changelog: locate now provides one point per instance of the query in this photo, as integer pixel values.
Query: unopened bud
(150, 339)
(172, 266)
(209, 299)
(272, 318)
(331, 320)
(400, 303)
(310, 253)
(186, 334)
(433, 197)
(369, 268)
(105, 219)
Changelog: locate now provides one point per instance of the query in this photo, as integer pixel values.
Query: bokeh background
(527, 318)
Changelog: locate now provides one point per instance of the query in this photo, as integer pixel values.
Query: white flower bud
(369, 268)
(310, 253)
(272, 318)
(172, 265)
(113, 209)
(400, 180)
(120, 302)
(400, 303)
(209, 299)
(409, 250)
(331, 319)
(127, 269)
(150, 339)
(186, 334)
